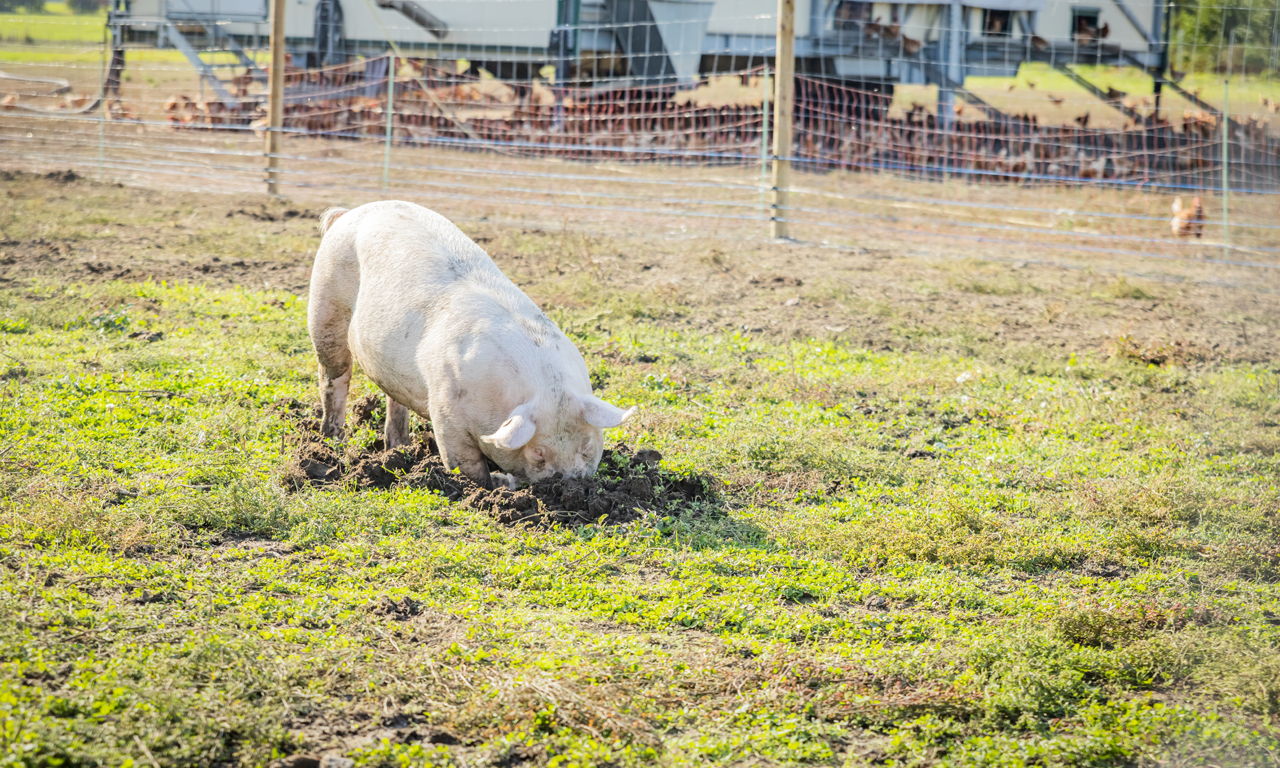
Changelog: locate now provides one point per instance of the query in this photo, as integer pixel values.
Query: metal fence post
(391, 94)
(102, 107)
(1226, 169)
(764, 139)
(275, 115)
(783, 112)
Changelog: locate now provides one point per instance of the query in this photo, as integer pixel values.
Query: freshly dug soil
(627, 484)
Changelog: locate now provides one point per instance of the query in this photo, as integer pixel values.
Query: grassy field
(940, 548)
(1037, 86)
(57, 24)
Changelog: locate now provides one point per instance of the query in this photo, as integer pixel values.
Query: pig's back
(426, 287)
(413, 259)
(412, 247)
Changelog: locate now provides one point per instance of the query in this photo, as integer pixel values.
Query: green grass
(13, 55)
(1080, 571)
(1244, 92)
(57, 24)
(61, 9)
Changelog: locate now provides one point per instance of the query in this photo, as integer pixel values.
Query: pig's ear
(517, 430)
(598, 413)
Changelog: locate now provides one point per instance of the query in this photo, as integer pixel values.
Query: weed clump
(1123, 289)
(1177, 352)
(627, 484)
(1098, 625)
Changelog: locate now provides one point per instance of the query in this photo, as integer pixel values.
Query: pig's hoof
(503, 480)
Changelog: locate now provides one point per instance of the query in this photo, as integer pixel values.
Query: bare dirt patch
(63, 228)
(627, 484)
(890, 294)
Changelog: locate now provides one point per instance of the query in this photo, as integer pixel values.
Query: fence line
(836, 127)
(662, 151)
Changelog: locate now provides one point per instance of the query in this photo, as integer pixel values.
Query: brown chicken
(1187, 221)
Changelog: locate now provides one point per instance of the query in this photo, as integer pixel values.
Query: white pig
(437, 326)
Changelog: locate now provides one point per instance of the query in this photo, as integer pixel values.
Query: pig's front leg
(459, 452)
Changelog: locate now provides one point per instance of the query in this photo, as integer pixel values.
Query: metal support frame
(1194, 99)
(206, 72)
(951, 50)
(1100, 94)
(818, 12)
(976, 100)
(418, 15)
(1160, 17)
(259, 74)
(1206, 106)
(938, 74)
(115, 69)
(1133, 19)
(637, 34)
(564, 44)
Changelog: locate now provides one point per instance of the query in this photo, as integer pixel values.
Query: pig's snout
(541, 463)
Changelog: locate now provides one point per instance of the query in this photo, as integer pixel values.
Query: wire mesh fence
(1042, 140)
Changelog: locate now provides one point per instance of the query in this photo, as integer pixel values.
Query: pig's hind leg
(335, 383)
(333, 394)
(335, 372)
(335, 281)
(397, 424)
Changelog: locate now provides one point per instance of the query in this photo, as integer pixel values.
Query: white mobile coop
(869, 45)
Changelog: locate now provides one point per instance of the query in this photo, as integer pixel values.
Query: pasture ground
(984, 511)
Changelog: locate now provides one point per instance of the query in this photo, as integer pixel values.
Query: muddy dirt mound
(369, 410)
(627, 484)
